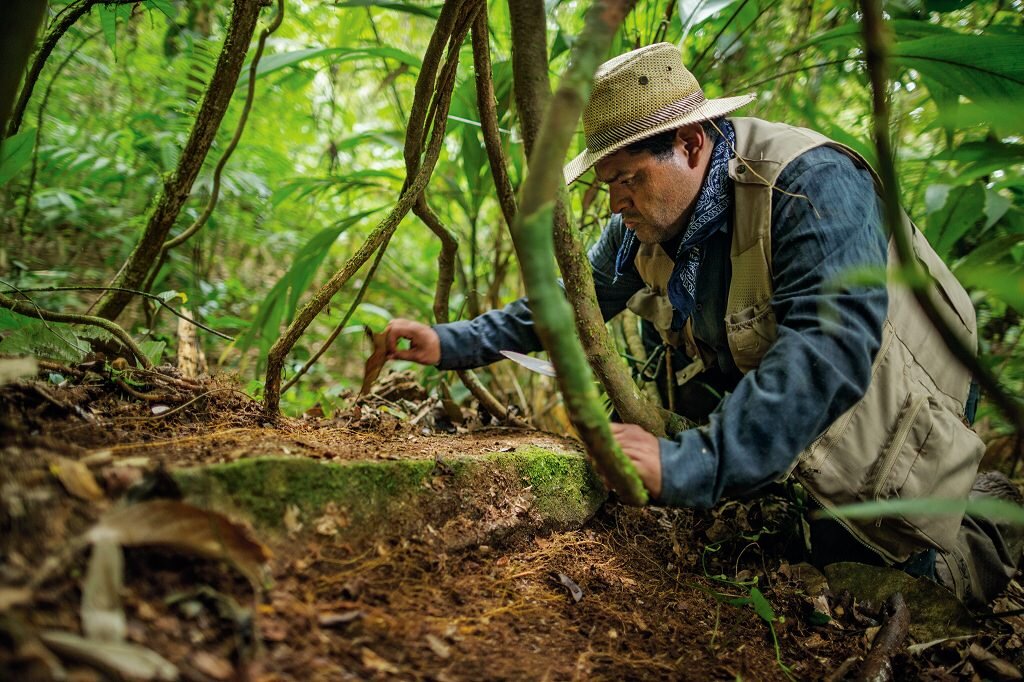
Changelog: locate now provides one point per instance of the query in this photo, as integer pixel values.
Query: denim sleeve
(826, 225)
(473, 343)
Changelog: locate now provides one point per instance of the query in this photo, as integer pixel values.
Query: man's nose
(620, 199)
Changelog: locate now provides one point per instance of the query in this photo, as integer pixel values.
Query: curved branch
(876, 45)
(152, 297)
(177, 184)
(630, 403)
(532, 234)
(75, 11)
(344, 320)
(250, 95)
(29, 309)
(453, 15)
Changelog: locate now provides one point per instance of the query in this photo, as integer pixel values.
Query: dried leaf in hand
(570, 584)
(77, 479)
(118, 659)
(376, 361)
(103, 618)
(185, 528)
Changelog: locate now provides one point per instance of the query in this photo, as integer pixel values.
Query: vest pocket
(929, 454)
(751, 332)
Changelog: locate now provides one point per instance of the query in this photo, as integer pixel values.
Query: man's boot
(987, 552)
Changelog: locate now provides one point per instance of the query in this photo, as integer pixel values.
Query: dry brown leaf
(213, 666)
(186, 528)
(120, 659)
(102, 614)
(77, 479)
(374, 662)
(376, 361)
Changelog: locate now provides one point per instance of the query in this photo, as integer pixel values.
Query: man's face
(654, 195)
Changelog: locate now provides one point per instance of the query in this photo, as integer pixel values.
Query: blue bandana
(710, 216)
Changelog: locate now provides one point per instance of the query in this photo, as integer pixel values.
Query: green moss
(399, 494)
(264, 487)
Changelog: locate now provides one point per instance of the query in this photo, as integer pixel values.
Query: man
(735, 240)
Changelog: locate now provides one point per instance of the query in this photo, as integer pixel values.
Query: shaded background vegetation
(321, 160)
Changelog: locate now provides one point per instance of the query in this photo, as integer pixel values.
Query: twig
(876, 45)
(889, 640)
(181, 407)
(152, 297)
(31, 310)
(344, 320)
(151, 396)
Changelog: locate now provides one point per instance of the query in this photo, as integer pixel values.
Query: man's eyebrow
(612, 178)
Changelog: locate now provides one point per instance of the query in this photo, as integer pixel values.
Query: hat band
(603, 139)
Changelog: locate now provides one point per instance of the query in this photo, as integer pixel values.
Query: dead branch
(29, 309)
(178, 184)
(889, 640)
(452, 27)
(876, 43)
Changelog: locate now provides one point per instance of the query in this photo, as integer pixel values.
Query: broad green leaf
(275, 62)
(108, 22)
(1004, 282)
(429, 11)
(15, 153)
(166, 7)
(692, 13)
(964, 208)
(154, 350)
(989, 508)
(979, 67)
(935, 197)
(761, 605)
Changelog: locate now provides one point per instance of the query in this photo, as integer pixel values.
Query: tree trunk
(530, 70)
(532, 234)
(178, 185)
(17, 36)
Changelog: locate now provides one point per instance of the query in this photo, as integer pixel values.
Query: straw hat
(640, 94)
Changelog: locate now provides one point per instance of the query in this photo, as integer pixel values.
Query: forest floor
(632, 594)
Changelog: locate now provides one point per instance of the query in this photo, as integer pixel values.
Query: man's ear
(693, 143)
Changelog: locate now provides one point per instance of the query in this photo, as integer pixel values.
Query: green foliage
(324, 143)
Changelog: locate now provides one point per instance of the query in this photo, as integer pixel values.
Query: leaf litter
(657, 582)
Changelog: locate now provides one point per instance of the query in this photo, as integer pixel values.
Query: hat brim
(709, 109)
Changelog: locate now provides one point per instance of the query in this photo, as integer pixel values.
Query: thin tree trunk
(532, 234)
(178, 184)
(531, 85)
(17, 35)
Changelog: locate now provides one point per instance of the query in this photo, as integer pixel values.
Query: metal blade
(533, 364)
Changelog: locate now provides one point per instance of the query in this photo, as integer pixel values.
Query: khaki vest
(907, 437)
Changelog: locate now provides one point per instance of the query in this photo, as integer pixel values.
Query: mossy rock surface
(459, 500)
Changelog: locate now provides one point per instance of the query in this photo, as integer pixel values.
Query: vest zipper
(842, 522)
(899, 439)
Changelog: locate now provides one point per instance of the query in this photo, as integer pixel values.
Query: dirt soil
(635, 594)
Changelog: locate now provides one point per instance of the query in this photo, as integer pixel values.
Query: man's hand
(424, 344)
(643, 448)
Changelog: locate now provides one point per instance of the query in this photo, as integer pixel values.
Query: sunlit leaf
(15, 153)
(695, 12)
(275, 62)
(166, 7)
(429, 11)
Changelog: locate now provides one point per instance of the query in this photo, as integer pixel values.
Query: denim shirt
(825, 223)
